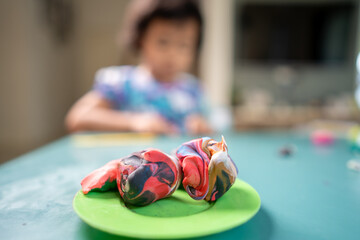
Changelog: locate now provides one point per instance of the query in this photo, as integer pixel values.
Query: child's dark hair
(142, 12)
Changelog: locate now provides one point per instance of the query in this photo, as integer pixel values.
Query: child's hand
(152, 122)
(195, 124)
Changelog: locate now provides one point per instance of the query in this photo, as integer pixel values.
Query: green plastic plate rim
(107, 212)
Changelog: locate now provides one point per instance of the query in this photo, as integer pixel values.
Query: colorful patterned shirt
(134, 89)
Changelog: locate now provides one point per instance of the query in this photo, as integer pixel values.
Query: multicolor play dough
(141, 178)
(144, 177)
(207, 168)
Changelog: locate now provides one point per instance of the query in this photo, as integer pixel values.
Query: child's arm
(196, 124)
(92, 112)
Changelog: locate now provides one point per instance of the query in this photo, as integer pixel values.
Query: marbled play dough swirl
(208, 170)
(141, 178)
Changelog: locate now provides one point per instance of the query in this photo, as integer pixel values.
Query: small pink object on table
(322, 137)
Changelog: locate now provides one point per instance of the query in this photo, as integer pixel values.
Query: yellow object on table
(111, 139)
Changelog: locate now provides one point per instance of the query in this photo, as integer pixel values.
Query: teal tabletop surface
(308, 195)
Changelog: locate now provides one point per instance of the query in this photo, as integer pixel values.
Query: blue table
(310, 195)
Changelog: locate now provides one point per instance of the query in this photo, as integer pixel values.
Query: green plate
(178, 216)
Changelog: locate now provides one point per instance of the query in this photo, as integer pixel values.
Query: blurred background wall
(253, 67)
(294, 61)
(50, 50)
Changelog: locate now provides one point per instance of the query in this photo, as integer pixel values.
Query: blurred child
(157, 95)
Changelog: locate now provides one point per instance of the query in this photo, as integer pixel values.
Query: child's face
(169, 47)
